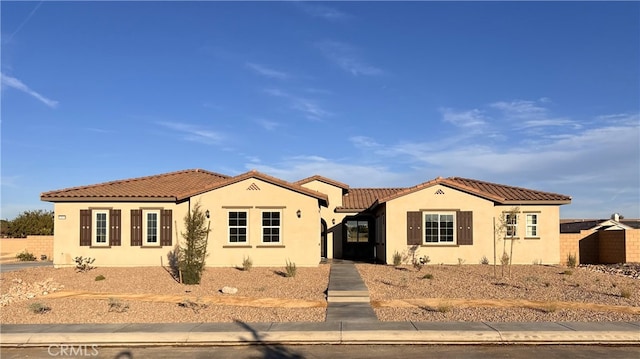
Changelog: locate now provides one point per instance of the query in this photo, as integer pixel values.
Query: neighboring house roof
(322, 179)
(498, 193)
(168, 187)
(162, 187)
(577, 225)
(359, 199)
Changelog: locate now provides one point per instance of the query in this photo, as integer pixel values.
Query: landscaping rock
(229, 290)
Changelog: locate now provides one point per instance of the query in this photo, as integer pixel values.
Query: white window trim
(145, 238)
(246, 227)
(536, 225)
(424, 229)
(94, 227)
(262, 227)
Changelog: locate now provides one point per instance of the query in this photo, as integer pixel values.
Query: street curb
(459, 333)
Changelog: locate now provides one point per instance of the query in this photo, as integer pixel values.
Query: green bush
(100, 277)
(571, 260)
(484, 260)
(291, 269)
(25, 256)
(427, 276)
(39, 308)
(193, 250)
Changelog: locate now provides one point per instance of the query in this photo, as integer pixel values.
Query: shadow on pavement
(270, 351)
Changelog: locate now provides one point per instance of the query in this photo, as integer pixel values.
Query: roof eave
(540, 202)
(108, 199)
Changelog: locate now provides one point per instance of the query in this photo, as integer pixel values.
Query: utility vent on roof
(253, 187)
(439, 191)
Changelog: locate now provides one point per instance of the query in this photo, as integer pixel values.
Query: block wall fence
(601, 247)
(36, 245)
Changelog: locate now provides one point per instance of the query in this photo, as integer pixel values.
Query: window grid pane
(101, 227)
(237, 227)
(439, 228)
(270, 227)
(152, 227)
(532, 225)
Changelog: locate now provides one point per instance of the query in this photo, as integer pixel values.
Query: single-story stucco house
(136, 222)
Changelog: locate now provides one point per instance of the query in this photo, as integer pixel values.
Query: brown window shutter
(85, 227)
(464, 220)
(136, 227)
(166, 218)
(114, 231)
(414, 228)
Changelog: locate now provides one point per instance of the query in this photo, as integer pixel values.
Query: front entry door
(358, 242)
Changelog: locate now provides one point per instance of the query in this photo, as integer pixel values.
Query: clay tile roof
(499, 193)
(322, 179)
(359, 199)
(166, 186)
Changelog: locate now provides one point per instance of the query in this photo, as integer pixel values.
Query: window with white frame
(100, 235)
(439, 228)
(511, 223)
(238, 227)
(271, 227)
(151, 227)
(532, 225)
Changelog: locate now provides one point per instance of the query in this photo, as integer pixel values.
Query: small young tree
(193, 251)
(506, 229)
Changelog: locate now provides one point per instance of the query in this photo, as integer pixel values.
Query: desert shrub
(117, 306)
(625, 293)
(547, 284)
(195, 306)
(100, 277)
(84, 264)
(460, 261)
(427, 276)
(397, 258)
(25, 256)
(420, 262)
(567, 272)
(571, 260)
(193, 251)
(549, 307)
(504, 260)
(39, 308)
(43, 257)
(537, 262)
(484, 260)
(290, 269)
(247, 263)
(444, 307)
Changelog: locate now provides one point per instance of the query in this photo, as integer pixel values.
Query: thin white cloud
(194, 133)
(267, 124)
(310, 108)
(364, 142)
(267, 72)
(347, 58)
(19, 85)
(470, 118)
(520, 108)
(322, 11)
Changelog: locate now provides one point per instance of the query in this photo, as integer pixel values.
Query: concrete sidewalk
(18, 335)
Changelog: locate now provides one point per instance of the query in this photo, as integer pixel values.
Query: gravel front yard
(403, 293)
(149, 294)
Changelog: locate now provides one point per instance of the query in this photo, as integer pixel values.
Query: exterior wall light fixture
(207, 213)
(299, 213)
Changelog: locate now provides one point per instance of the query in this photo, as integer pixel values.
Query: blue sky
(543, 95)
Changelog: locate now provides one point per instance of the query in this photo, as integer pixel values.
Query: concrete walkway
(347, 295)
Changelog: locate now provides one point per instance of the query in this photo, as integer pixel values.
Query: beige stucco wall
(66, 244)
(333, 219)
(300, 237)
(36, 245)
(526, 251)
